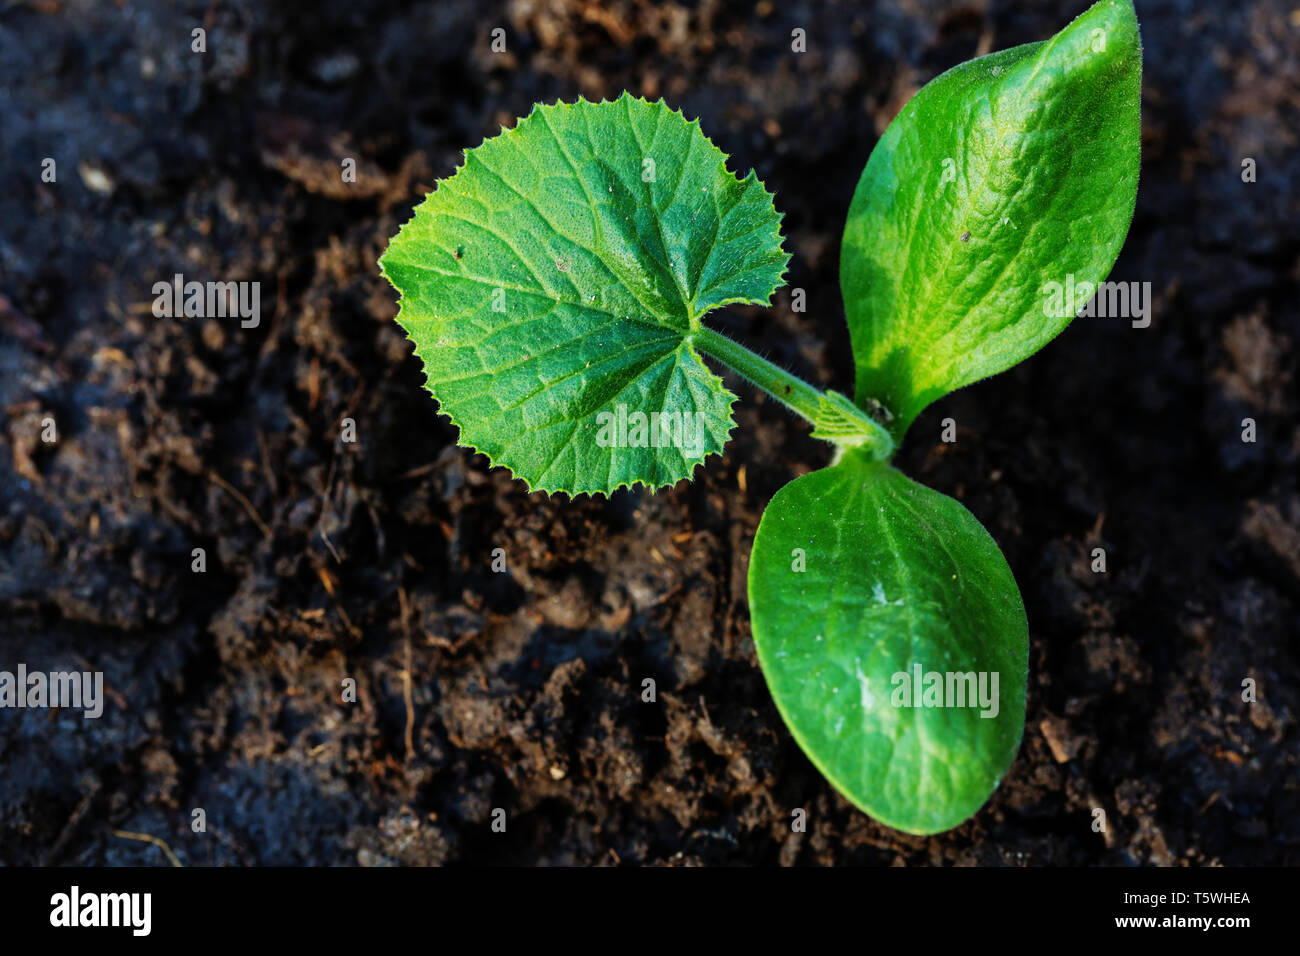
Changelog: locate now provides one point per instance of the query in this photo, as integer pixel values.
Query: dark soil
(372, 561)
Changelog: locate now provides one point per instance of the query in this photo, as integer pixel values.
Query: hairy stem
(834, 417)
(788, 389)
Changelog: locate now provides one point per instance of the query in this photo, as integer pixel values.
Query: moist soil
(371, 561)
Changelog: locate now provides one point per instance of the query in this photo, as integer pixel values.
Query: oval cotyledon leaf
(551, 287)
(1001, 183)
(893, 638)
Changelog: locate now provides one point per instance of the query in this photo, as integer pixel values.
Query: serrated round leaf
(552, 285)
(860, 575)
(1001, 176)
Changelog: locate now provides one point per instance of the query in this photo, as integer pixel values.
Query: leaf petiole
(834, 417)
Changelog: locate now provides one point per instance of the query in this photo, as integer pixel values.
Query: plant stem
(833, 416)
(788, 389)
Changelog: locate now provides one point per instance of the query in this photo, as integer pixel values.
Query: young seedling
(555, 288)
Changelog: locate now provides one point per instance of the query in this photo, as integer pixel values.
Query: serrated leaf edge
(650, 486)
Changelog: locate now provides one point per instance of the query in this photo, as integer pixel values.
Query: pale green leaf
(859, 575)
(1005, 174)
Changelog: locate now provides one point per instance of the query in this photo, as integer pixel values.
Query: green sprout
(556, 287)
